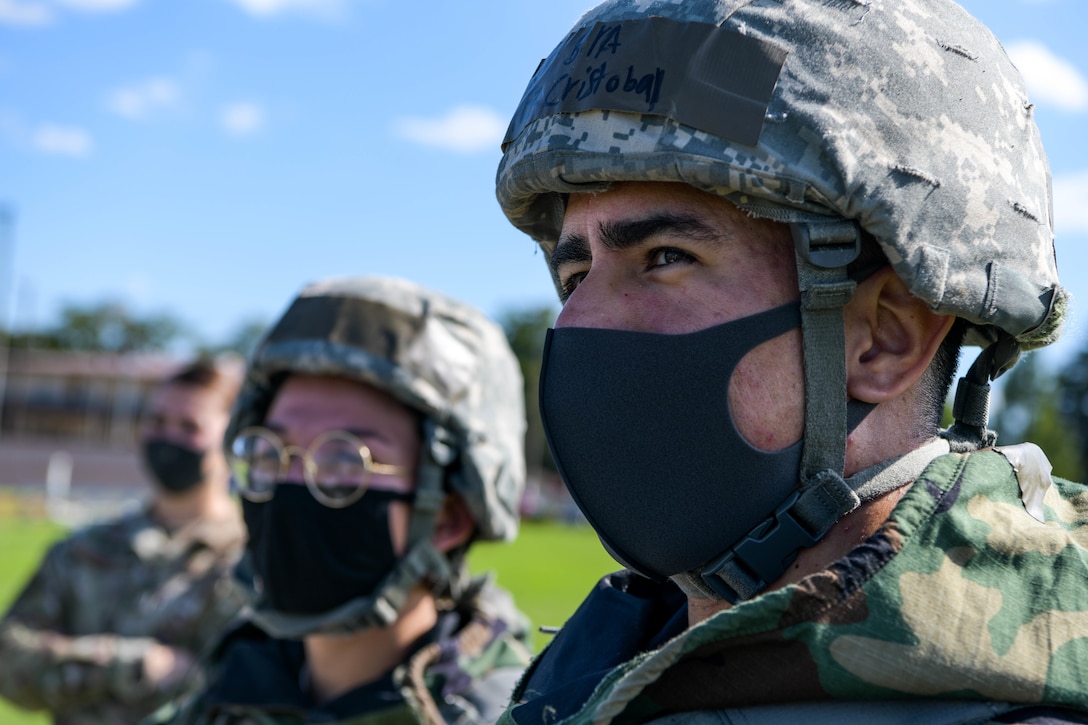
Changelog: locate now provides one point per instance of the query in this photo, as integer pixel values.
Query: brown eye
(669, 256)
(570, 283)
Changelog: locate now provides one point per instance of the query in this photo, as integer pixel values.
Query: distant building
(72, 417)
(85, 397)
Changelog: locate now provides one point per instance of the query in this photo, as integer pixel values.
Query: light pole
(7, 261)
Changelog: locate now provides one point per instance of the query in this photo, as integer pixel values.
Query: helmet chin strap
(421, 561)
(824, 249)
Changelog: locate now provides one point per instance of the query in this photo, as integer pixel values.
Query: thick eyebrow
(572, 249)
(367, 434)
(620, 235)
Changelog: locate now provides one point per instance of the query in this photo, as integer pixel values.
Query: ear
(454, 526)
(891, 337)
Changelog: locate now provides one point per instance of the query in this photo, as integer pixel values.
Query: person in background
(773, 224)
(113, 621)
(379, 432)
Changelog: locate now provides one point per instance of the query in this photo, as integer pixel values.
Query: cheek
(767, 393)
(215, 461)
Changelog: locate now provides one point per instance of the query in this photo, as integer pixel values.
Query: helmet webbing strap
(971, 409)
(824, 249)
(436, 454)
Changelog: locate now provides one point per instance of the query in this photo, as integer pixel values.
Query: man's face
(667, 258)
(189, 416)
(307, 406)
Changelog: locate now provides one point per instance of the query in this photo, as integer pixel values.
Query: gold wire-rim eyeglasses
(239, 466)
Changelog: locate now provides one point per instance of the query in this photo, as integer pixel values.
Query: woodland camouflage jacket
(962, 608)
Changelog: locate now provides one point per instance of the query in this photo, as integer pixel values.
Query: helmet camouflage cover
(434, 354)
(906, 117)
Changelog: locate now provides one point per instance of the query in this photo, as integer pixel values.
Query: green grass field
(549, 569)
(22, 543)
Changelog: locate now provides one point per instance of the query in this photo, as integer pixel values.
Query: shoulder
(493, 632)
(469, 672)
(101, 540)
(486, 602)
(1012, 483)
(932, 712)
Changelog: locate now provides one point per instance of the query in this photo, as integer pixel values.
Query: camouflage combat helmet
(903, 120)
(437, 356)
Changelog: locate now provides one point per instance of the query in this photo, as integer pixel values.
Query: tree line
(1031, 403)
(111, 327)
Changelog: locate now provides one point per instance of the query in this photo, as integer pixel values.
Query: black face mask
(640, 428)
(176, 468)
(310, 558)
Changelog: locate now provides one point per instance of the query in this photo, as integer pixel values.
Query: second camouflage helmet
(436, 355)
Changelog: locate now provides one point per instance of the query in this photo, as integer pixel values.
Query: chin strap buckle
(761, 557)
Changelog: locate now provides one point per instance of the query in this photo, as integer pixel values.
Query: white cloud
(16, 12)
(1071, 203)
(138, 101)
(1050, 79)
(28, 13)
(52, 138)
(464, 129)
(267, 8)
(95, 6)
(242, 118)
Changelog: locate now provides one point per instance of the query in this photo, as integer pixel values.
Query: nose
(294, 473)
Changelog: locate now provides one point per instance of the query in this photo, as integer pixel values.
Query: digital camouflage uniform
(74, 641)
(962, 608)
(463, 673)
(900, 122)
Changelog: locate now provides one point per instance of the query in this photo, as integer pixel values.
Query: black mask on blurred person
(176, 468)
(311, 559)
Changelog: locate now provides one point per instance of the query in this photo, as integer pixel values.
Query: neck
(850, 531)
(866, 446)
(340, 663)
(208, 500)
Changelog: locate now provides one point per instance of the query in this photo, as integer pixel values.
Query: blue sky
(208, 157)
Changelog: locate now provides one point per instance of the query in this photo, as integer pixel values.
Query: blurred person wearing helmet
(773, 224)
(378, 433)
(112, 622)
